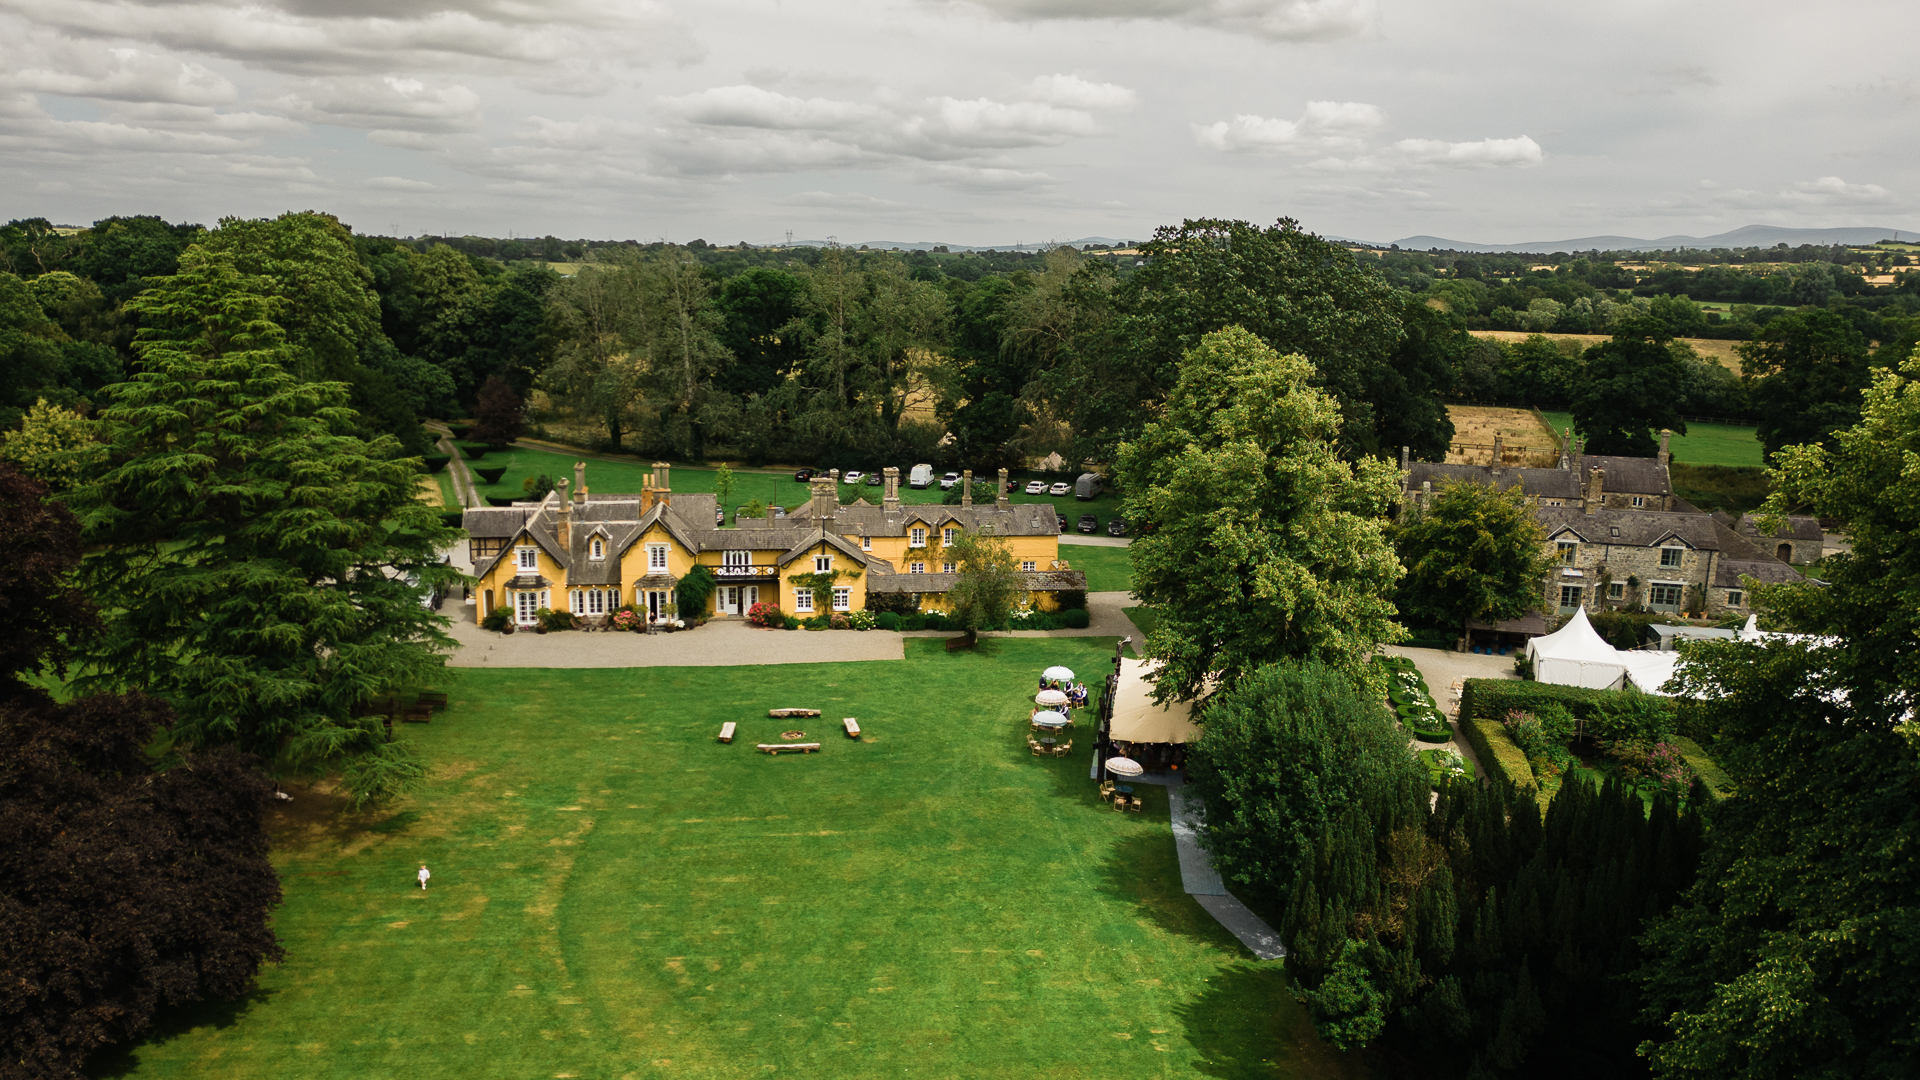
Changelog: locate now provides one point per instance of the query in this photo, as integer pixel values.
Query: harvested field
(1714, 349)
(1524, 440)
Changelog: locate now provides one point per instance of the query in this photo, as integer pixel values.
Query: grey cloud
(114, 74)
(1277, 20)
(389, 103)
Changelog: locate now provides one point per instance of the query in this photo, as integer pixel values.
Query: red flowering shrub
(765, 614)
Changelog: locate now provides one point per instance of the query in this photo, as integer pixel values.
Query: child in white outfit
(423, 877)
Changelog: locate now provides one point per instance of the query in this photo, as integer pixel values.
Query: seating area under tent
(1134, 728)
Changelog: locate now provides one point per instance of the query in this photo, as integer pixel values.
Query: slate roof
(1770, 571)
(1036, 581)
(1013, 519)
(1631, 528)
(1796, 527)
(1625, 476)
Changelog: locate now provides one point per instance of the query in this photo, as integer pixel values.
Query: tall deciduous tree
(122, 887)
(1804, 375)
(498, 417)
(1475, 555)
(989, 583)
(1255, 540)
(1633, 387)
(254, 553)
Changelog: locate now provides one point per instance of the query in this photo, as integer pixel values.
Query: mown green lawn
(1108, 569)
(1703, 444)
(616, 894)
(768, 487)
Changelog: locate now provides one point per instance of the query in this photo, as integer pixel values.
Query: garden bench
(431, 699)
(417, 715)
(803, 747)
(782, 714)
(852, 726)
(726, 732)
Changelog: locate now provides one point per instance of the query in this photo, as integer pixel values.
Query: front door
(730, 600)
(655, 601)
(752, 597)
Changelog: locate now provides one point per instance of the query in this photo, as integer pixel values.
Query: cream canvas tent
(1136, 719)
(1576, 655)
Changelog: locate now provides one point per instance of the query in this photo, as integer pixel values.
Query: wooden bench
(852, 726)
(726, 732)
(782, 714)
(432, 699)
(803, 747)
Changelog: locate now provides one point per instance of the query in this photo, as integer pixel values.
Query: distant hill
(928, 245)
(1750, 236)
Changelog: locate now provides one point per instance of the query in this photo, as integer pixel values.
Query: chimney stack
(825, 498)
(563, 519)
(1499, 450)
(579, 481)
(1665, 456)
(1426, 495)
(664, 490)
(890, 501)
(966, 487)
(1406, 452)
(1596, 490)
(1000, 490)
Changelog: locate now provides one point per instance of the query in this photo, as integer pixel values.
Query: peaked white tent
(1576, 655)
(1649, 671)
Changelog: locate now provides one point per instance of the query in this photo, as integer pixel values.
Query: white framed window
(577, 601)
(1735, 598)
(599, 549)
(947, 534)
(1029, 565)
(1616, 591)
(822, 563)
(866, 543)
(526, 558)
(947, 567)
(917, 538)
(524, 605)
(917, 568)
(1670, 556)
(597, 602)
(656, 556)
(842, 599)
(736, 558)
(803, 600)
(1568, 550)
(1639, 501)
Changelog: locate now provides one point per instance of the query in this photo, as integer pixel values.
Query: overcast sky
(972, 121)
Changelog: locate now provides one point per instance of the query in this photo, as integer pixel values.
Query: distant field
(1475, 426)
(1714, 349)
(1703, 444)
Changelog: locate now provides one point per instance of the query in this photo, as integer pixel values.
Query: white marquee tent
(1136, 719)
(1576, 655)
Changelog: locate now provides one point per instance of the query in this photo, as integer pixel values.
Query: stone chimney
(1406, 453)
(1665, 456)
(826, 497)
(966, 488)
(663, 490)
(1000, 490)
(563, 518)
(1426, 495)
(1596, 490)
(890, 501)
(579, 481)
(1499, 450)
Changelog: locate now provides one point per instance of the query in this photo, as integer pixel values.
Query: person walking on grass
(423, 875)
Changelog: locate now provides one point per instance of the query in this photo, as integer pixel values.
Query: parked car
(874, 479)
(737, 511)
(852, 477)
(947, 481)
(719, 517)
(1037, 487)
(1061, 488)
(1117, 527)
(1063, 520)
(803, 475)
(921, 476)
(779, 511)
(1089, 523)
(1013, 486)
(1089, 486)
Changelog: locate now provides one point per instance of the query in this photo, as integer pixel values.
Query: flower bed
(1408, 696)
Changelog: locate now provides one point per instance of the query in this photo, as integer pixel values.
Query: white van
(1089, 486)
(921, 476)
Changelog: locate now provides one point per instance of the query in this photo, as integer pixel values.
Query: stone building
(1619, 535)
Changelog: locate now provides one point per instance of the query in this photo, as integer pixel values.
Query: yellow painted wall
(802, 567)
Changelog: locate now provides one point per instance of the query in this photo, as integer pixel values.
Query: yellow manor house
(593, 554)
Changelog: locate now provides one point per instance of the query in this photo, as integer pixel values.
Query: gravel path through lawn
(717, 644)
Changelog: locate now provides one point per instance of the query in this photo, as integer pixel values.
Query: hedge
(1492, 699)
(490, 476)
(500, 500)
(454, 518)
(435, 462)
(1074, 618)
(474, 451)
(1499, 755)
(459, 430)
(1719, 784)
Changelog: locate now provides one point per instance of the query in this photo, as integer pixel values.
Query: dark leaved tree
(1634, 387)
(498, 418)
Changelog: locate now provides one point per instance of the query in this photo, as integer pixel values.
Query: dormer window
(656, 556)
(1568, 550)
(822, 564)
(598, 548)
(866, 543)
(1670, 556)
(947, 534)
(917, 538)
(527, 558)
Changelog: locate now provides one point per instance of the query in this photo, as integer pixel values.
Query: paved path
(1441, 668)
(1203, 883)
(717, 644)
(1106, 617)
(1094, 541)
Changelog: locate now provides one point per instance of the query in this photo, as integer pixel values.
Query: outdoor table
(1124, 789)
(1048, 742)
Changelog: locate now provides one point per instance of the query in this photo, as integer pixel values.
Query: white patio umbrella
(1120, 766)
(1050, 718)
(1058, 674)
(1051, 697)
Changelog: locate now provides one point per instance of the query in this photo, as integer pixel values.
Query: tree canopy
(1633, 387)
(1254, 538)
(1474, 555)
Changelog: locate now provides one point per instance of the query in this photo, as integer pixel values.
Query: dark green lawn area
(768, 487)
(1108, 569)
(1703, 444)
(615, 894)
(1145, 618)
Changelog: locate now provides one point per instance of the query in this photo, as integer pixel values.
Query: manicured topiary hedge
(1493, 698)
(474, 451)
(1074, 618)
(435, 462)
(491, 476)
(459, 430)
(1499, 756)
(500, 500)
(453, 518)
(1719, 784)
